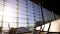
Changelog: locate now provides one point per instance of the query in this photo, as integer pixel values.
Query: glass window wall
(22, 14)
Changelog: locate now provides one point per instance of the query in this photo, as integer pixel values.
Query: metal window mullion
(27, 14)
(17, 12)
(34, 15)
(34, 31)
(42, 16)
(3, 13)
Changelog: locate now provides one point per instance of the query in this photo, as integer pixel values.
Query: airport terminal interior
(27, 17)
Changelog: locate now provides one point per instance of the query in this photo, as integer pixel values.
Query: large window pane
(22, 1)
(22, 8)
(36, 5)
(30, 14)
(22, 25)
(29, 2)
(11, 1)
(10, 9)
(45, 18)
(36, 10)
(30, 8)
(9, 12)
(7, 19)
(22, 21)
(30, 11)
(22, 12)
(31, 18)
(31, 21)
(10, 5)
(31, 5)
(37, 19)
(48, 15)
(36, 15)
(22, 16)
(22, 5)
(11, 24)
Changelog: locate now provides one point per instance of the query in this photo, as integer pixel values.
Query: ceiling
(50, 5)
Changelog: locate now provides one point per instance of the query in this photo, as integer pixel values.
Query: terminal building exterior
(22, 13)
